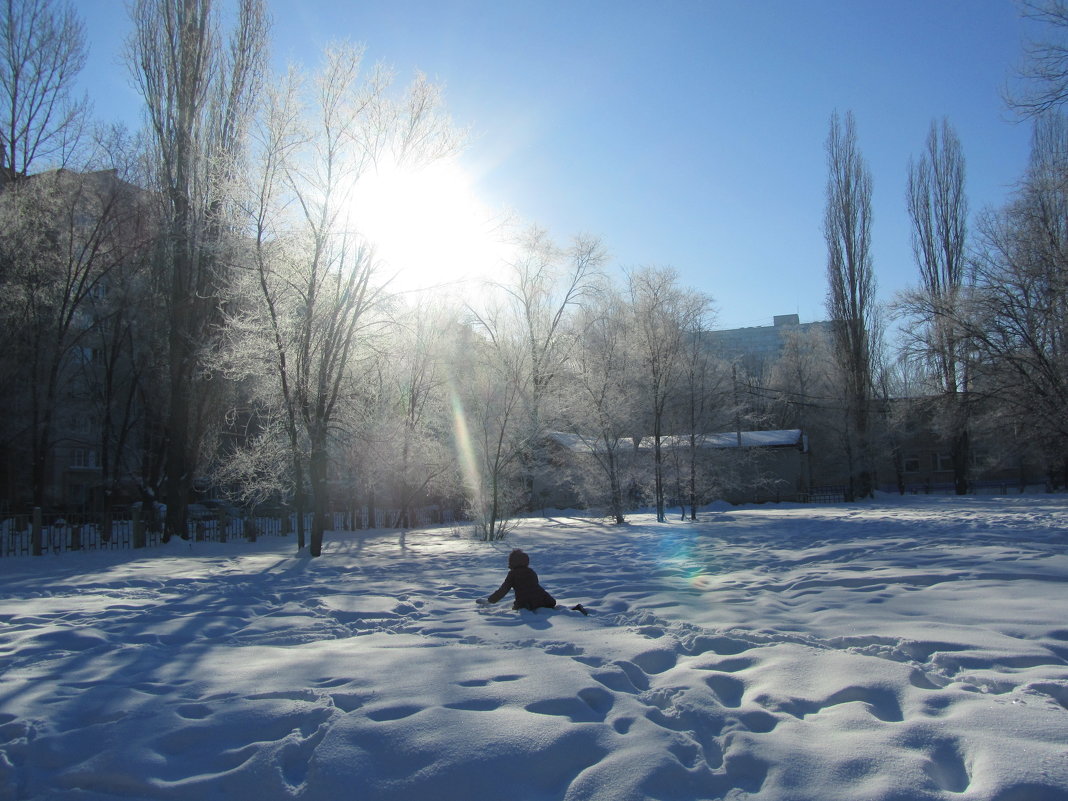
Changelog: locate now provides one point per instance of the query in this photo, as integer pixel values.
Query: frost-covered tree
(544, 283)
(705, 403)
(313, 298)
(490, 430)
(416, 371)
(663, 315)
(602, 410)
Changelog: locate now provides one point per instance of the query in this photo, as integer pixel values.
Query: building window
(944, 462)
(84, 457)
(912, 464)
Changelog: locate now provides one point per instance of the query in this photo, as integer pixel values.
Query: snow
(904, 648)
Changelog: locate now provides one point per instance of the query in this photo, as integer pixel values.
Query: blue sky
(685, 134)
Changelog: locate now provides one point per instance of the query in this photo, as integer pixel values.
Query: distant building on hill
(759, 346)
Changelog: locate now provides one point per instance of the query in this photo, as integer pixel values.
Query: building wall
(926, 466)
(735, 474)
(759, 346)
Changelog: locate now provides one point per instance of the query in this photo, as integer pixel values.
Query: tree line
(195, 303)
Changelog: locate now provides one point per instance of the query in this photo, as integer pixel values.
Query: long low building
(735, 466)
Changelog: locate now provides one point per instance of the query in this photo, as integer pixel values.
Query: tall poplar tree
(198, 92)
(851, 291)
(938, 209)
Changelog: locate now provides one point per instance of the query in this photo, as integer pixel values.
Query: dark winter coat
(529, 594)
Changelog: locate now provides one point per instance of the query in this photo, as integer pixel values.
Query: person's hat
(518, 559)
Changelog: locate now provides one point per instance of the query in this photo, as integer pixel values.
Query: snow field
(900, 649)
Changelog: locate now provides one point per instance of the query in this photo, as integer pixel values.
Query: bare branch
(42, 50)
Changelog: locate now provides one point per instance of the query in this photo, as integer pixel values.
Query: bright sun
(429, 228)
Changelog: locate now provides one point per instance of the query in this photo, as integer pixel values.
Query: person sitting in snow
(529, 594)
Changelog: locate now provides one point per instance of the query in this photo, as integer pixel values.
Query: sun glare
(429, 228)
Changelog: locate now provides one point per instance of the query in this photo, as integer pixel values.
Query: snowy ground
(909, 648)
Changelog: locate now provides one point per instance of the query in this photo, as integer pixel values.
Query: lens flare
(692, 562)
(465, 452)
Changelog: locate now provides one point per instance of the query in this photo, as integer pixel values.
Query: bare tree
(65, 237)
(1044, 72)
(938, 209)
(851, 289)
(1016, 317)
(125, 355)
(663, 314)
(198, 97)
(42, 50)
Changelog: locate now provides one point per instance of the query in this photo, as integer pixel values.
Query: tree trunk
(177, 471)
(317, 469)
(693, 478)
(961, 453)
(616, 489)
(658, 473)
(300, 500)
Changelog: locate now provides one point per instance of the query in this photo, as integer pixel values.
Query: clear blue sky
(687, 134)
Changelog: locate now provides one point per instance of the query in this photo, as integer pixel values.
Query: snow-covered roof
(779, 438)
(573, 442)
